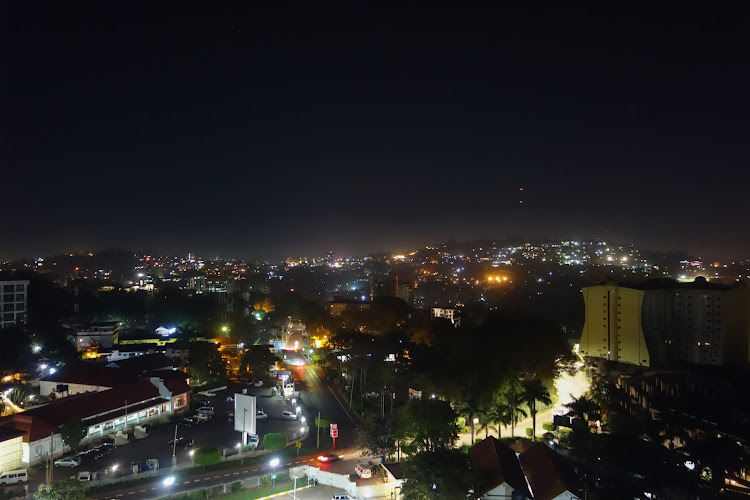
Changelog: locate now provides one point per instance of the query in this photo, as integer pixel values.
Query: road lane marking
(141, 491)
(225, 475)
(131, 492)
(236, 473)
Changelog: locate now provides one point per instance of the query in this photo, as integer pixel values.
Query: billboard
(244, 413)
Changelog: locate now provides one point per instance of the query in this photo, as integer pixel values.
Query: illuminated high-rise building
(663, 322)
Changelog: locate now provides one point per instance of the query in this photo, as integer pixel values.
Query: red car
(328, 457)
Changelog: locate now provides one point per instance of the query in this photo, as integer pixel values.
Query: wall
(46, 388)
(11, 453)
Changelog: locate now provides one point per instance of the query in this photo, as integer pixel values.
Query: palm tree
(582, 407)
(533, 392)
(512, 397)
(501, 416)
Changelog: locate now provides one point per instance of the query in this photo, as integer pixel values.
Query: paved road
(315, 396)
(318, 396)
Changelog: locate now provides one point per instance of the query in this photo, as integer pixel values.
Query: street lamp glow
(274, 462)
(303, 419)
(224, 328)
(168, 481)
(114, 467)
(294, 401)
(299, 410)
(191, 452)
(52, 371)
(302, 430)
(239, 445)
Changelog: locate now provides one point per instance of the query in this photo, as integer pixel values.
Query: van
(363, 472)
(17, 476)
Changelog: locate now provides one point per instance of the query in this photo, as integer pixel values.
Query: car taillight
(323, 459)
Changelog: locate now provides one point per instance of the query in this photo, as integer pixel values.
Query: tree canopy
(442, 474)
(72, 432)
(67, 489)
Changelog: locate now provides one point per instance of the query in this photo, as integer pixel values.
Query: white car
(230, 399)
(206, 410)
(68, 462)
(201, 417)
(254, 440)
(288, 415)
(259, 383)
(260, 414)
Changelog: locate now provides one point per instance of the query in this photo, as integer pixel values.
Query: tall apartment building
(13, 302)
(663, 322)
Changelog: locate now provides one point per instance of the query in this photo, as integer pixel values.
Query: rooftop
(495, 464)
(549, 475)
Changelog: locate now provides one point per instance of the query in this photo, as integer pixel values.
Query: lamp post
(168, 482)
(273, 463)
(294, 491)
(244, 437)
(174, 449)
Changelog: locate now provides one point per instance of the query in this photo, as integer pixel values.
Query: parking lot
(217, 431)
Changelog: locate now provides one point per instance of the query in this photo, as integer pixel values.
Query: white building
(13, 302)
(452, 314)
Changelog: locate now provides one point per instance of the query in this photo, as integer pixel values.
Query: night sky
(251, 131)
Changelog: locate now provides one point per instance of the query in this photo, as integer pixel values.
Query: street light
(168, 482)
(303, 419)
(273, 463)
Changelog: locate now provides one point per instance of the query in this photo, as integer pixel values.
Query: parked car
(68, 462)
(186, 422)
(201, 417)
(230, 399)
(288, 415)
(182, 442)
(150, 464)
(231, 416)
(16, 476)
(86, 477)
(254, 440)
(363, 471)
(259, 383)
(206, 410)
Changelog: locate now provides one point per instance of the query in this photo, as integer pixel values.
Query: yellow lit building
(665, 322)
(612, 328)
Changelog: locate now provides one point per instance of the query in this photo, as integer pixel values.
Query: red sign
(334, 430)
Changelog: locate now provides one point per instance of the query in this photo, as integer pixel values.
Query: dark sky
(289, 129)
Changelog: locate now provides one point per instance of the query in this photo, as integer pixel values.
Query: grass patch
(253, 493)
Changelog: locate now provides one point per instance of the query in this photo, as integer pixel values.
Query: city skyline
(265, 132)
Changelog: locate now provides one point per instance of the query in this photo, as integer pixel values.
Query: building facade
(664, 322)
(13, 302)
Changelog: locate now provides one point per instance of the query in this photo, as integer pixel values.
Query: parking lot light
(274, 462)
(303, 419)
(114, 467)
(168, 481)
(299, 410)
(191, 452)
(302, 430)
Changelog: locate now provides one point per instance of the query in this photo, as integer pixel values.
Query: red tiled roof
(91, 374)
(548, 473)
(34, 428)
(495, 464)
(95, 403)
(7, 433)
(146, 362)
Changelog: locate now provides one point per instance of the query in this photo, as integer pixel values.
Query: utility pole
(317, 425)
(242, 448)
(174, 448)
